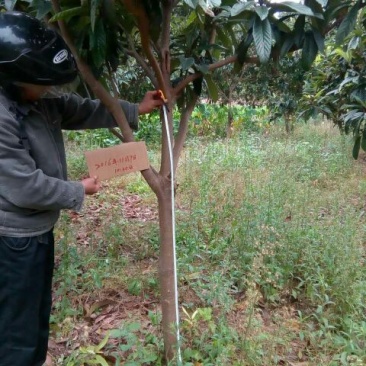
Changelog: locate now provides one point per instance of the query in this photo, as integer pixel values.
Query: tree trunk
(166, 271)
(289, 125)
(230, 116)
(230, 119)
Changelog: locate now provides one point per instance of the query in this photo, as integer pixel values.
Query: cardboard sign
(117, 160)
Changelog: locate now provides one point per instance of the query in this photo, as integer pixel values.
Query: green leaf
(93, 12)
(67, 14)
(134, 326)
(98, 43)
(202, 68)
(43, 7)
(149, 358)
(186, 63)
(117, 333)
(299, 30)
(102, 343)
(82, 25)
(277, 34)
(98, 360)
(287, 44)
(125, 347)
(318, 20)
(309, 50)
(298, 8)
(348, 23)
(353, 43)
(110, 12)
(243, 47)
(283, 27)
(333, 10)
(262, 34)
(155, 17)
(346, 128)
(359, 94)
(363, 142)
(262, 12)
(240, 7)
(212, 88)
(356, 147)
(319, 39)
(343, 54)
(355, 117)
(223, 37)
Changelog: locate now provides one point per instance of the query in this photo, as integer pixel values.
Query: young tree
(179, 44)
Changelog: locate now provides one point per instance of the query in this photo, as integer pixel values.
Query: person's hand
(151, 100)
(91, 185)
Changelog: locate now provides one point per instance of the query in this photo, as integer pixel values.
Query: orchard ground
(270, 248)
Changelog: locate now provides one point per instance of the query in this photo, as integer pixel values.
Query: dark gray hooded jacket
(33, 175)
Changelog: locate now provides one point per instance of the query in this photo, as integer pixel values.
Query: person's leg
(25, 277)
(47, 241)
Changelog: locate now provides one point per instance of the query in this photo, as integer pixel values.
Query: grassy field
(271, 257)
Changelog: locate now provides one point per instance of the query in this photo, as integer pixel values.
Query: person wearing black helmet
(33, 175)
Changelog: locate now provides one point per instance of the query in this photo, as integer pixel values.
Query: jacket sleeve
(25, 186)
(81, 113)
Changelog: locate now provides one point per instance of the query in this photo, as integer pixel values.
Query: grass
(270, 248)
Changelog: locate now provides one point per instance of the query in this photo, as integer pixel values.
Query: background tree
(336, 86)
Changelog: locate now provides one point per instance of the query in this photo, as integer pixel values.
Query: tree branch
(133, 52)
(165, 44)
(212, 67)
(111, 103)
(144, 65)
(183, 129)
(167, 8)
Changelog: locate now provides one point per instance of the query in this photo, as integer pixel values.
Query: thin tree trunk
(230, 119)
(166, 272)
(288, 123)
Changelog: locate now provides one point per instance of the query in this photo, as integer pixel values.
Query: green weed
(270, 248)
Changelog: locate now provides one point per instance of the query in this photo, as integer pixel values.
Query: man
(33, 177)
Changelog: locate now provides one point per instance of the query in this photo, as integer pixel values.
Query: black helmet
(31, 53)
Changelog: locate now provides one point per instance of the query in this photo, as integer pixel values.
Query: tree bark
(166, 272)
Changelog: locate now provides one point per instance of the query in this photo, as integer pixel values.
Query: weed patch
(271, 257)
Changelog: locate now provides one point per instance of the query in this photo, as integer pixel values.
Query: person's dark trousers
(26, 269)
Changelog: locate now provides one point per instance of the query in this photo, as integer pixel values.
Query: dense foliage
(209, 121)
(203, 33)
(336, 85)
